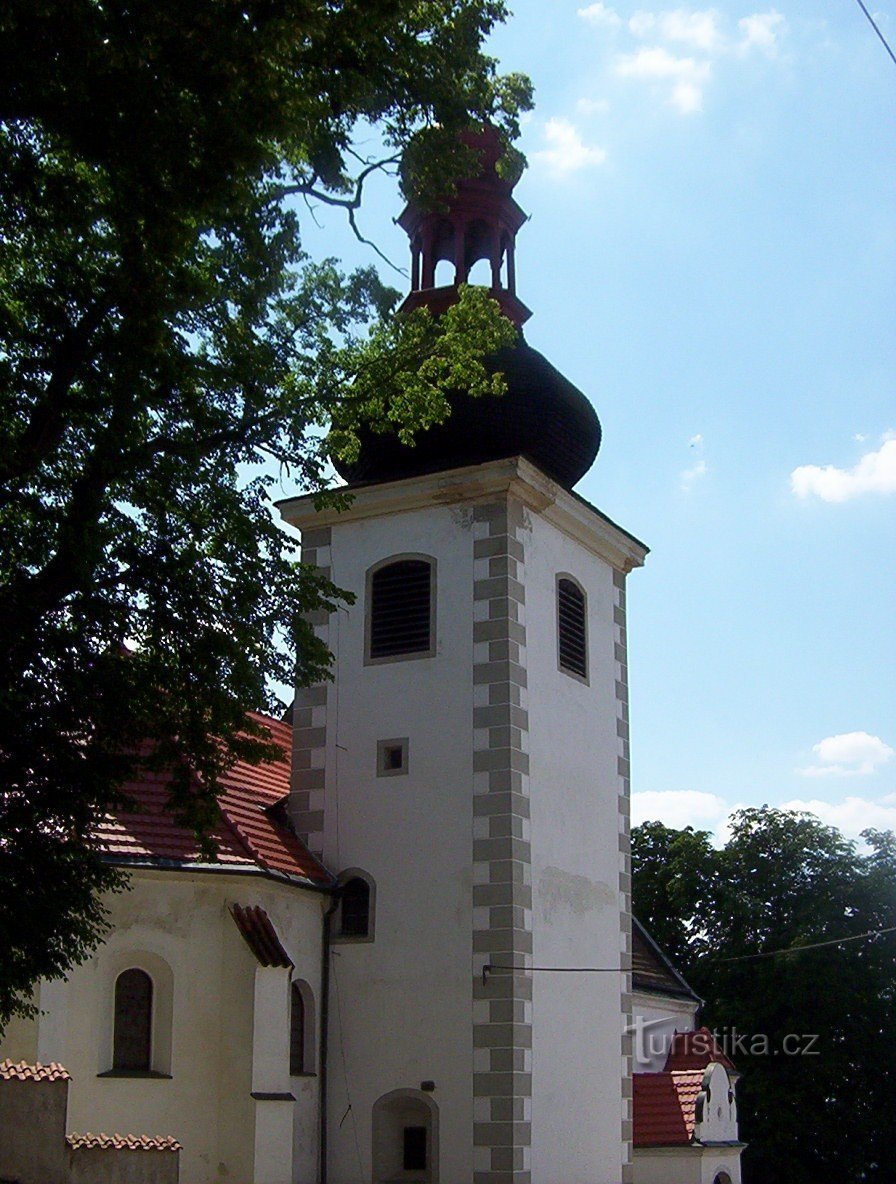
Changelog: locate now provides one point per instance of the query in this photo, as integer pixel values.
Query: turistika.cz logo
(652, 1039)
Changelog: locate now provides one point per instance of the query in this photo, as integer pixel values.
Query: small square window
(414, 1159)
(392, 757)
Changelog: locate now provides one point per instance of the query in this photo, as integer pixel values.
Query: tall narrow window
(572, 636)
(355, 912)
(132, 1039)
(400, 610)
(297, 1021)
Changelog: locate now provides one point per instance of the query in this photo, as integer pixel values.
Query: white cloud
(852, 815)
(642, 23)
(679, 808)
(875, 473)
(567, 153)
(687, 76)
(761, 31)
(699, 29)
(690, 476)
(600, 14)
(696, 441)
(593, 106)
(847, 755)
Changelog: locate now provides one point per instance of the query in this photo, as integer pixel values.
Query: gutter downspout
(324, 1038)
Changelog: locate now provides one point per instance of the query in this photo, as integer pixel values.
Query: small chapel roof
(252, 831)
(664, 1108)
(665, 1104)
(696, 1050)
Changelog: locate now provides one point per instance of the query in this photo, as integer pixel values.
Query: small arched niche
(138, 997)
(405, 1138)
(302, 1026)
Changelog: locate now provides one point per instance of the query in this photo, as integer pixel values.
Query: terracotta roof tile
(261, 936)
(104, 1142)
(664, 1108)
(695, 1050)
(248, 834)
(23, 1071)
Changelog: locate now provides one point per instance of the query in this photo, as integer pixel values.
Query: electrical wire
(874, 26)
(817, 945)
(491, 967)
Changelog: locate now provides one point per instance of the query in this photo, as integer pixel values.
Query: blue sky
(711, 257)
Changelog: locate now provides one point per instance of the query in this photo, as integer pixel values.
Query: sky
(711, 258)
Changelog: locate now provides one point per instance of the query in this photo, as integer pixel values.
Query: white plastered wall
(655, 1020)
(181, 921)
(401, 1005)
(577, 1018)
(686, 1165)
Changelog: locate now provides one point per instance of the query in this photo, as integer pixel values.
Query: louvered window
(132, 1037)
(571, 629)
(400, 612)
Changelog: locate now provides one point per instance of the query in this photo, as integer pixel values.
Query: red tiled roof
(103, 1142)
(247, 835)
(695, 1050)
(23, 1071)
(261, 936)
(664, 1108)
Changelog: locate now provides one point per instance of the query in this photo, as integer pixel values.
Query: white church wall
(655, 1020)
(663, 1165)
(577, 1103)
(180, 921)
(401, 1003)
(687, 1165)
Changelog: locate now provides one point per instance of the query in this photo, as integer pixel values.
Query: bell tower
(466, 772)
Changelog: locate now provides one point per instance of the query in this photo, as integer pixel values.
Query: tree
(166, 349)
(676, 875)
(814, 1024)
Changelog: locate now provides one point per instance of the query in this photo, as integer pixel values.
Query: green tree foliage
(163, 338)
(819, 1084)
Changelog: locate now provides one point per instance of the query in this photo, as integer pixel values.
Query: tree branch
(308, 189)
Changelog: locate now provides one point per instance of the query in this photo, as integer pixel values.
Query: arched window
(132, 1039)
(405, 1138)
(722, 1178)
(401, 609)
(301, 1029)
(354, 911)
(572, 631)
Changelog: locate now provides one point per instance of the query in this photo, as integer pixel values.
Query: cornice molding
(515, 477)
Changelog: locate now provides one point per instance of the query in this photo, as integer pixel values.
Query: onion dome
(542, 415)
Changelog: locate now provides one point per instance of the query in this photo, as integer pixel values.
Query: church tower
(466, 772)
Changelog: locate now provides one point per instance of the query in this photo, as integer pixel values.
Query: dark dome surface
(542, 416)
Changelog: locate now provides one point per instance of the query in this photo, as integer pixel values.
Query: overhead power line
(493, 967)
(817, 945)
(875, 27)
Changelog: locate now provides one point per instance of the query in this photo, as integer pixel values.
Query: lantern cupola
(481, 222)
(542, 415)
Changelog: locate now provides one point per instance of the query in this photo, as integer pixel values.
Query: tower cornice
(515, 477)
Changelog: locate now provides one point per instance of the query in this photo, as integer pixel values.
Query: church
(413, 959)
